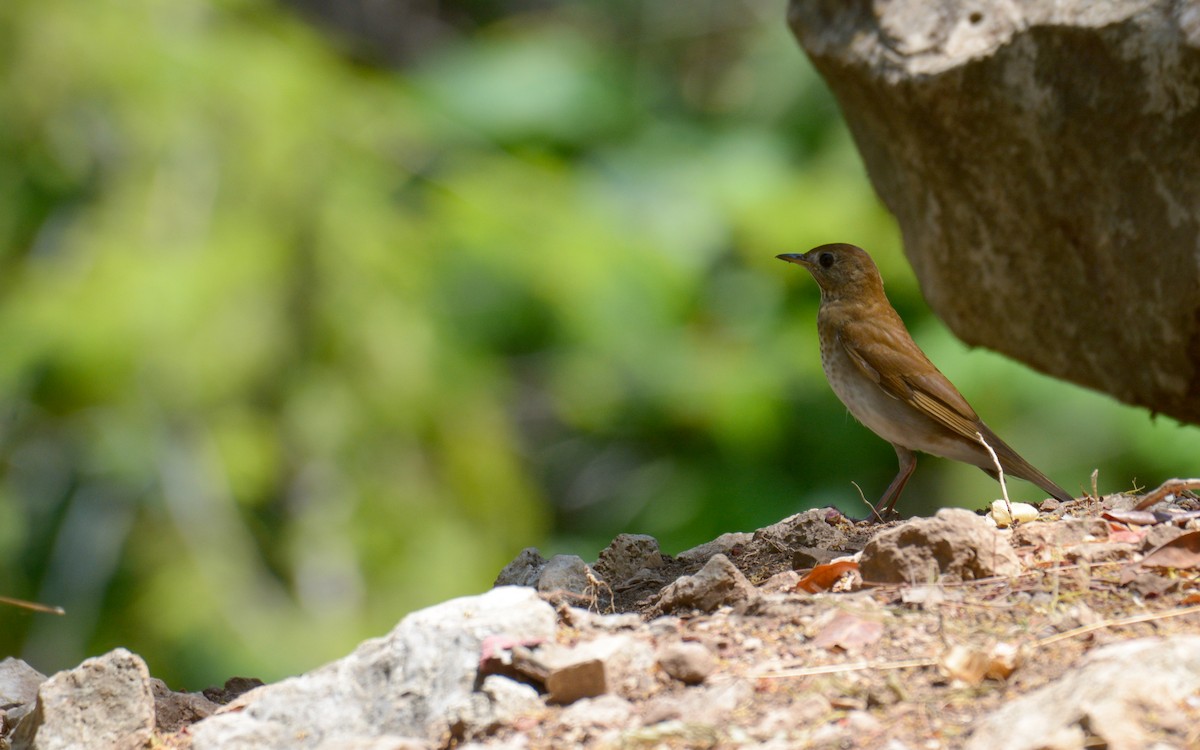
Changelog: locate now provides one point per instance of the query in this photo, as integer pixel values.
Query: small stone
(233, 688)
(523, 570)
(954, 545)
(808, 530)
(566, 574)
(719, 583)
(173, 711)
(687, 661)
(804, 558)
(1061, 533)
(703, 705)
(569, 682)
(862, 722)
(628, 555)
(726, 544)
(602, 712)
(510, 699)
(610, 663)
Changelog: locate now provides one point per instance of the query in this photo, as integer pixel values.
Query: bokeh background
(312, 314)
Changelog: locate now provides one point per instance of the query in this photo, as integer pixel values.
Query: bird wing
(888, 356)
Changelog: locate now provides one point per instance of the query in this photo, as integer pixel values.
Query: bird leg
(908, 463)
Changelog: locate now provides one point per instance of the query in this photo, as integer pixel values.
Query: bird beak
(800, 259)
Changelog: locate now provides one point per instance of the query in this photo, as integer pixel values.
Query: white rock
(1106, 693)
(104, 702)
(412, 685)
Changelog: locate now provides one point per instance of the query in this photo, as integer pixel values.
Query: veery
(888, 383)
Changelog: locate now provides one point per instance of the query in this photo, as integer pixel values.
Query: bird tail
(1016, 466)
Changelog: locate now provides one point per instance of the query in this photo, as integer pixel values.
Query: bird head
(840, 270)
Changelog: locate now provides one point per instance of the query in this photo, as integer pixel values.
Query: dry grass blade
(1148, 617)
(999, 471)
(854, 666)
(32, 606)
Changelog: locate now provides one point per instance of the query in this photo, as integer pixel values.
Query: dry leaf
(1125, 535)
(1181, 552)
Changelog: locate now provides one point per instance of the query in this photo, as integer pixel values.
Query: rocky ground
(1079, 627)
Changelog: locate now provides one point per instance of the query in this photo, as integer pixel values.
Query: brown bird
(888, 383)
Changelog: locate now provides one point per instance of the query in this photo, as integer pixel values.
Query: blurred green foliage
(293, 345)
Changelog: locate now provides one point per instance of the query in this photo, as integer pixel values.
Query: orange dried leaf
(822, 577)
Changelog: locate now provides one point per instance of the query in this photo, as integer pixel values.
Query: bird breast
(894, 420)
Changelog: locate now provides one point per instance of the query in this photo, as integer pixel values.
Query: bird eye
(825, 259)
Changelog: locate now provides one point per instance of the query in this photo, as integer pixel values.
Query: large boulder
(1039, 156)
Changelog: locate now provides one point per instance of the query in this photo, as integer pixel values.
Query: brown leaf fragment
(823, 577)
(1148, 584)
(1181, 552)
(849, 633)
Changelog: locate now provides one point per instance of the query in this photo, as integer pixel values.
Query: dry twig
(1169, 487)
(999, 471)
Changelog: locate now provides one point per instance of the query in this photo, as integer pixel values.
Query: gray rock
(567, 574)
(610, 663)
(626, 556)
(1105, 697)
(415, 684)
(523, 570)
(726, 544)
(719, 583)
(19, 684)
(954, 545)
(562, 577)
(105, 702)
(1031, 152)
(804, 530)
(510, 699)
(1068, 531)
(706, 705)
(604, 712)
(173, 711)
